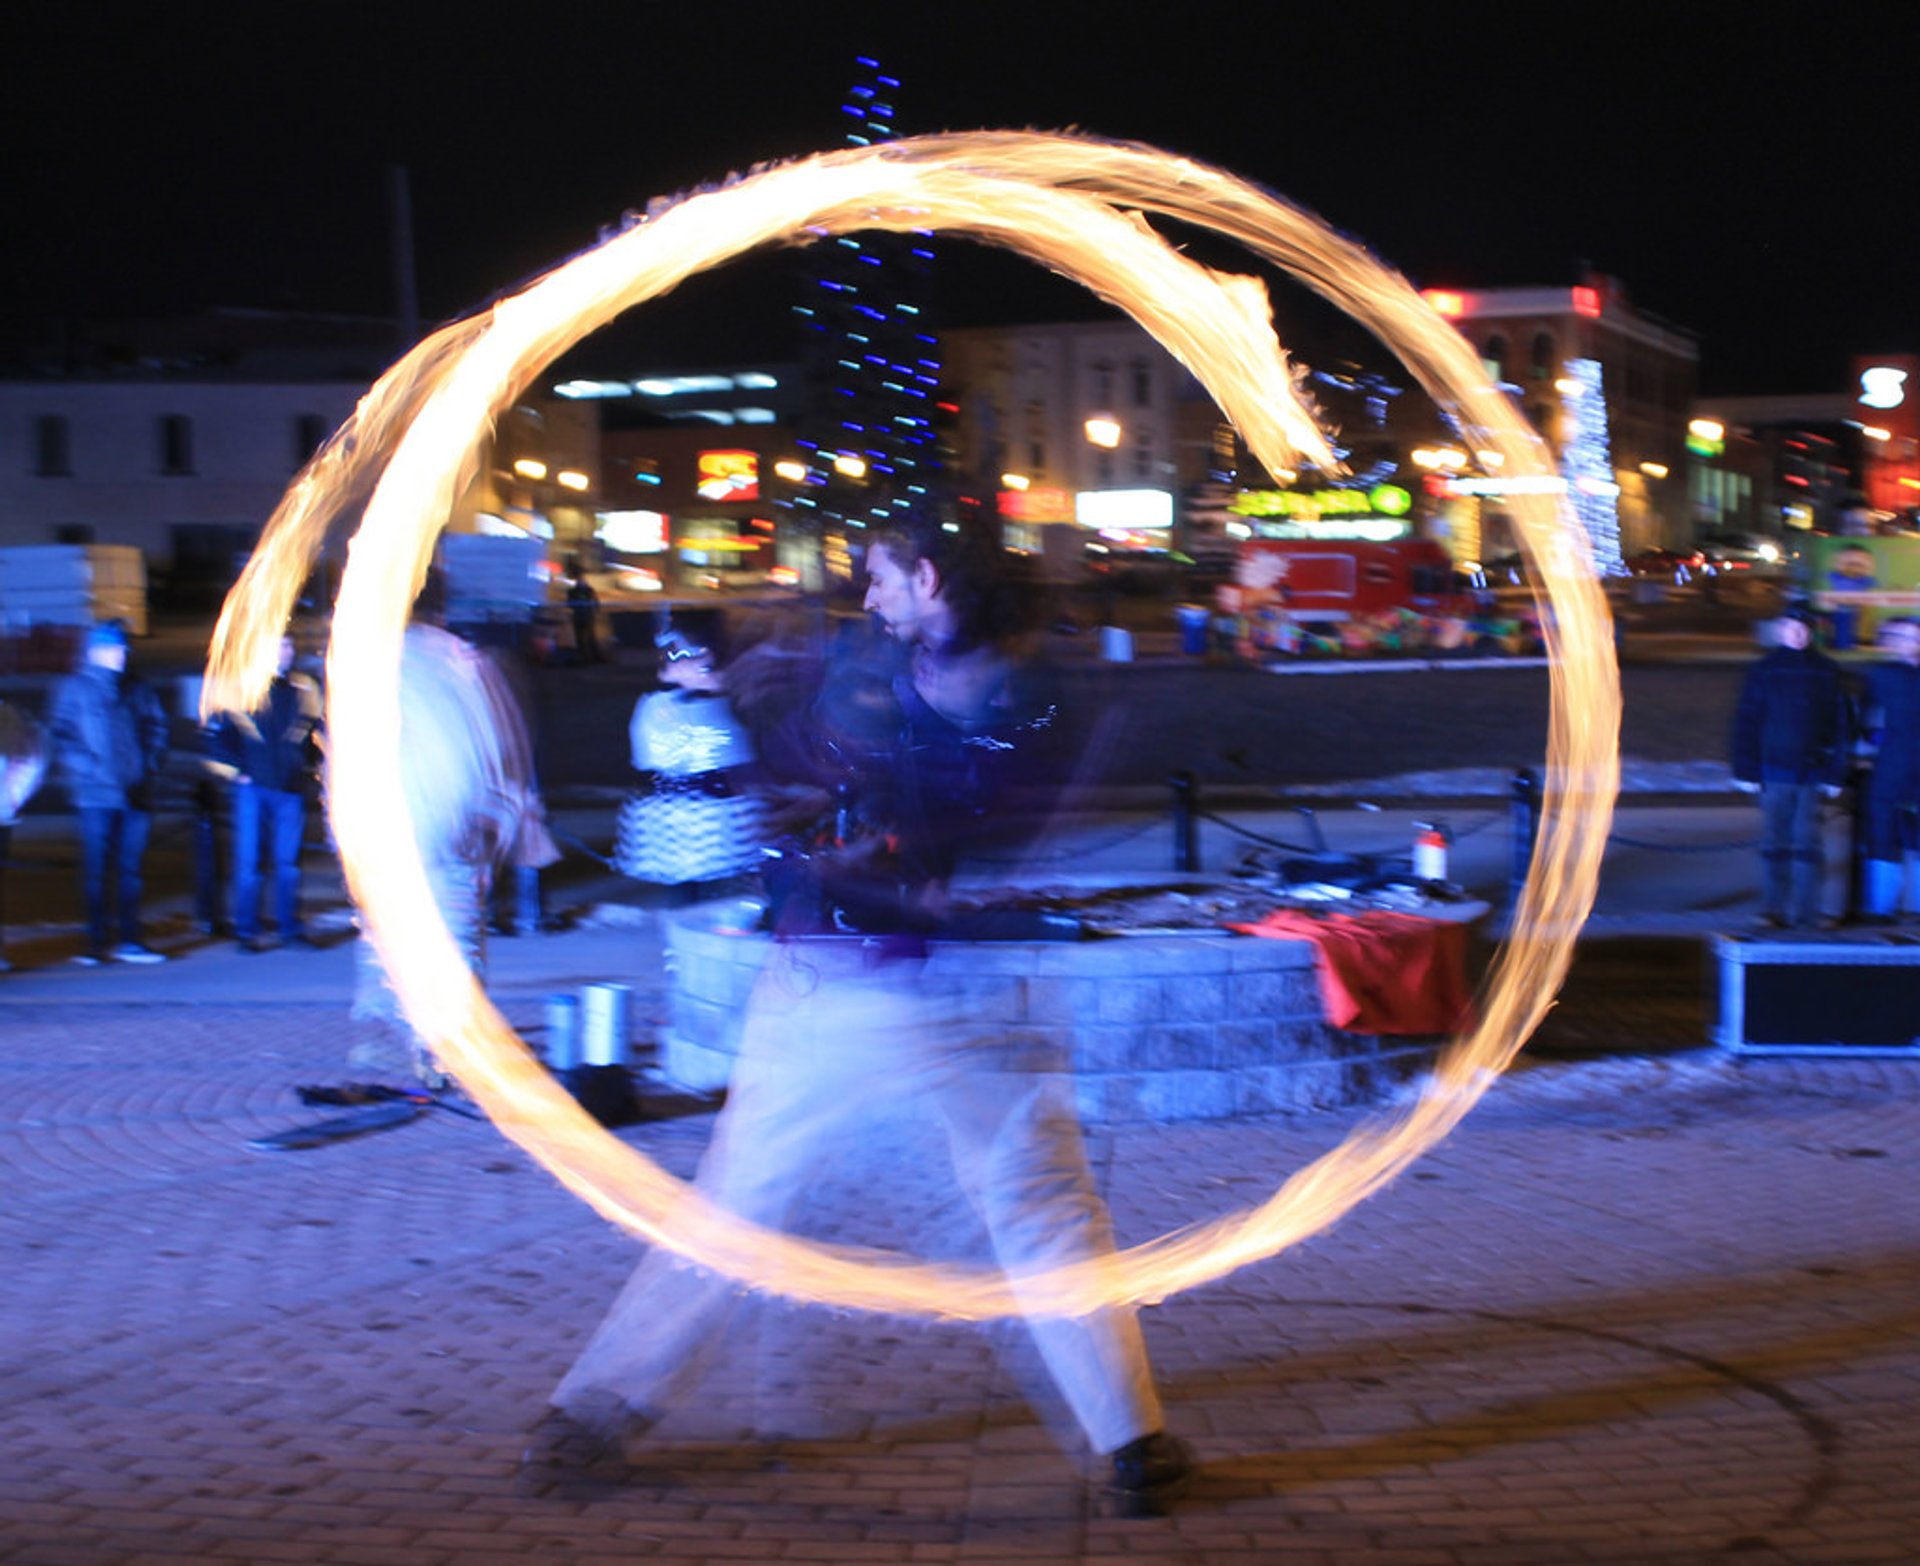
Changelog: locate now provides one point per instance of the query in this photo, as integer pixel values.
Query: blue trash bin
(1194, 621)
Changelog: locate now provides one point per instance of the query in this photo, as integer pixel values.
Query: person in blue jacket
(271, 752)
(110, 739)
(1791, 738)
(1892, 805)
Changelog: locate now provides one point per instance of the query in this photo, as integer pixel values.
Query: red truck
(1337, 579)
(1357, 597)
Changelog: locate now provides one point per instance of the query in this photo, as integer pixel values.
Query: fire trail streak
(1072, 204)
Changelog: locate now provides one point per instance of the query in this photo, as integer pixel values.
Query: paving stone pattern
(1636, 1310)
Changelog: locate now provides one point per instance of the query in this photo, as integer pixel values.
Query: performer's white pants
(831, 1035)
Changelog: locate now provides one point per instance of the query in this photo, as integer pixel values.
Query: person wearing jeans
(113, 846)
(110, 739)
(1892, 805)
(271, 751)
(1791, 739)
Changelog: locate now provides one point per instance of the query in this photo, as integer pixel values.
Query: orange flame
(1073, 205)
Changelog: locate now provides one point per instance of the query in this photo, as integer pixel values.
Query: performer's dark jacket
(901, 771)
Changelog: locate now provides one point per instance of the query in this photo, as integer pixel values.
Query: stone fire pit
(1162, 1024)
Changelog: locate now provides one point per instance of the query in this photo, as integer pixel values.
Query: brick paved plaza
(1642, 1307)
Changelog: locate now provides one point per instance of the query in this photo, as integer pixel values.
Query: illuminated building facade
(1067, 428)
(1768, 464)
(695, 468)
(185, 469)
(1534, 342)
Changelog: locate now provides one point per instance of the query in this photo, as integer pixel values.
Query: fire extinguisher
(1430, 839)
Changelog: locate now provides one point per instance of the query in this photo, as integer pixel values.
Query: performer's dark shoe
(1149, 1474)
(560, 1442)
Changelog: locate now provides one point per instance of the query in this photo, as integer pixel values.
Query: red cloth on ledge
(1382, 972)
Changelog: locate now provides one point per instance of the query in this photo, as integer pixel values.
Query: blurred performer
(695, 821)
(1892, 804)
(915, 749)
(23, 763)
(110, 739)
(271, 753)
(519, 901)
(1791, 735)
(467, 774)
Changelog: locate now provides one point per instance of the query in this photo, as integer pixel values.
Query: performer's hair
(989, 604)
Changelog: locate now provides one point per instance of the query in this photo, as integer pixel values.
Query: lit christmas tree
(873, 362)
(1586, 463)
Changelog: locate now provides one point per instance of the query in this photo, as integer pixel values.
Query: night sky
(1749, 180)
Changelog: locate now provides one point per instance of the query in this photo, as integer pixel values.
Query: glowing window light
(678, 385)
(578, 389)
(573, 479)
(530, 468)
(1103, 431)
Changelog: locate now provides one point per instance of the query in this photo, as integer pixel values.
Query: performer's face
(904, 598)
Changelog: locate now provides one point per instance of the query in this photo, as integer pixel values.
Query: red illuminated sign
(729, 475)
(1040, 503)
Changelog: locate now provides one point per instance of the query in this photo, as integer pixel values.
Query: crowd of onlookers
(1805, 730)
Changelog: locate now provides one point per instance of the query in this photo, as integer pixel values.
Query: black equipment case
(1852, 995)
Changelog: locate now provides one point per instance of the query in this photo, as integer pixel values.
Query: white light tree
(1587, 464)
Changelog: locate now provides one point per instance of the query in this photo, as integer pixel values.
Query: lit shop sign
(1386, 500)
(1124, 509)
(1379, 530)
(1883, 386)
(633, 532)
(728, 475)
(1529, 486)
(1039, 503)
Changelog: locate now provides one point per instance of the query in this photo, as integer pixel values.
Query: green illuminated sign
(1388, 500)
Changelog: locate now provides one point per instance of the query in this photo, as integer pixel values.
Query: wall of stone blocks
(1157, 1028)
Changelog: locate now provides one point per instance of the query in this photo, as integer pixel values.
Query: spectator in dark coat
(1791, 736)
(271, 752)
(583, 604)
(110, 738)
(1892, 805)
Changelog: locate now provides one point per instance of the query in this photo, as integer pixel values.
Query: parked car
(1742, 552)
(1675, 564)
